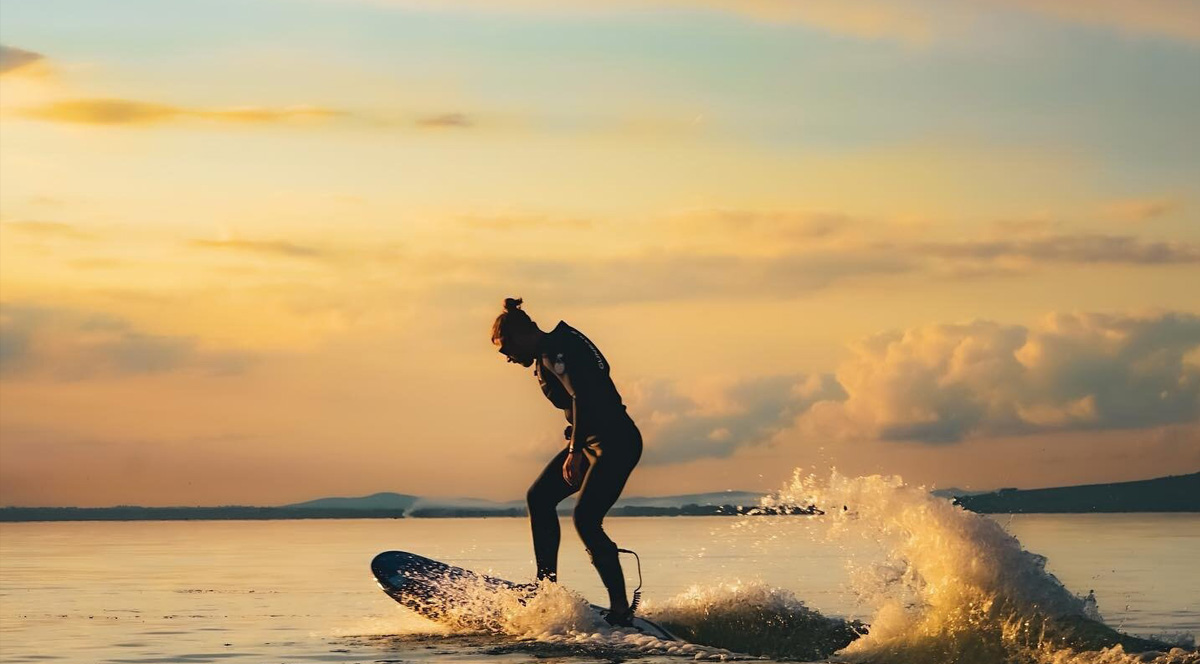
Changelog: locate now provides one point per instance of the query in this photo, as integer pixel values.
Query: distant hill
(954, 492)
(375, 501)
(225, 513)
(430, 506)
(386, 505)
(1179, 493)
(1166, 494)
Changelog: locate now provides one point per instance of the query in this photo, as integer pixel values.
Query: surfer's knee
(585, 523)
(536, 499)
(587, 527)
(591, 532)
(604, 549)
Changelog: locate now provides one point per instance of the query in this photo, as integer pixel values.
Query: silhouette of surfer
(603, 445)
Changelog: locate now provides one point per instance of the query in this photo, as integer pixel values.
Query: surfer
(603, 445)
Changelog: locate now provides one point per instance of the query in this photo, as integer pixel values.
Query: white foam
(555, 615)
(953, 582)
(951, 586)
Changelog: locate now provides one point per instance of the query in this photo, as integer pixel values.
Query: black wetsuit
(573, 375)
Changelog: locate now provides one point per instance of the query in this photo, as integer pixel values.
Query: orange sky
(252, 254)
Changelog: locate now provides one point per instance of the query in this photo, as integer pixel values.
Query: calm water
(295, 591)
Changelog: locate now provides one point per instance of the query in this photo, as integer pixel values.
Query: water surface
(292, 591)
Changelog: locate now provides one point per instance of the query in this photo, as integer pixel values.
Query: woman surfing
(603, 445)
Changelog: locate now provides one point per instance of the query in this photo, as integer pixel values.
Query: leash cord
(637, 592)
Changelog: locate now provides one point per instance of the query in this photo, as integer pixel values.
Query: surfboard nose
(387, 565)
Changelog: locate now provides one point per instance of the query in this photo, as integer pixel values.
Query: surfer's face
(518, 348)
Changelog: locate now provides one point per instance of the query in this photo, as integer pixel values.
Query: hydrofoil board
(456, 596)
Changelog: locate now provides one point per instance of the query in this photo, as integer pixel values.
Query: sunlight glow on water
(207, 591)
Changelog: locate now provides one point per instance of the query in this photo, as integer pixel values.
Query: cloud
(657, 276)
(18, 61)
(445, 121)
(134, 113)
(944, 383)
(772, 226)
(99, 263)
(67, 344)
(131, 112)
(681, 428)
(1140, 209)
(104, 111)
(1068, 248)
(1010, 227)
(921, 21)
(768, 267)
(909, 22)
(1176, 19)
(522, 222)
(262, 247)
(906, 22)
(48, 229)
(268, 115)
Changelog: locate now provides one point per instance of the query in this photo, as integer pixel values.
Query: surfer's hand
(573, 468)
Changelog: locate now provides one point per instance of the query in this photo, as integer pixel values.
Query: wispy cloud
(771, 268)
(48, 229)
(263, 247)
(911, 22)
(1068, 248)
(770, 225)
(67, 344)
(136, 113)
(1140, 209)
(132, 112)
(658, 276)
(523, 222)
(1176, 19)
(18, 61)
(445, 121)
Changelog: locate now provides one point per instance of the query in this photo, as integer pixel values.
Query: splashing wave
(953, 586)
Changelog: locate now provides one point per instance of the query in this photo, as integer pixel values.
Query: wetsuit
(574, 376)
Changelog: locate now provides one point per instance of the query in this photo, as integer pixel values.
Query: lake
(301, 591)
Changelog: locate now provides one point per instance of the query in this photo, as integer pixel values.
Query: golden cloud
(131, 112)
(944, 383)
(1140, 209)
(134, 113)
(47, 229)
(267, 247)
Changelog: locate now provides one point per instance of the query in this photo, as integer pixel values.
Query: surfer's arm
(572, 470)
(553, 388)
(571, 446)
(585, 381)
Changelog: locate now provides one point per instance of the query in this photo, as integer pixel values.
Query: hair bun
(512, 304)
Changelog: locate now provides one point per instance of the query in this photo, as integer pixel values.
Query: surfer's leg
(611, 463)
(548, 490)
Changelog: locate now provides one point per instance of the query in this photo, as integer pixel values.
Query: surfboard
(459, 597)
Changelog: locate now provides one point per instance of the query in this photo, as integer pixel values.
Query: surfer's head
(515, 334)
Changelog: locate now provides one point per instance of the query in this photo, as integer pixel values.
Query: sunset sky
(251, 250)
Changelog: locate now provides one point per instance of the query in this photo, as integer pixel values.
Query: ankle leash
(637, 592)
